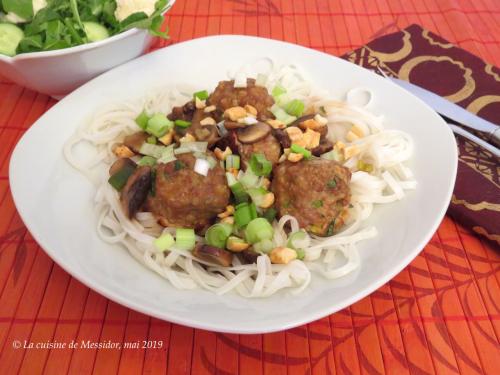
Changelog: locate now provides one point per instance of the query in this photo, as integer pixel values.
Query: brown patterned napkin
(429, 61)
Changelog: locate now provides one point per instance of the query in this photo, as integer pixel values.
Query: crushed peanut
(311, 139)
(293, 157)
(320, 119)
(235, 113)
(228, 220)
(294, 133)
(251, 110)
(267, 201)
(356, 129)
(276, 124)
(123, 151)
(229, 211)
(200, 104)
(167, 138)
(351, 137)
(265, 183)
(209, 109)
(282, 255)
(221, 155)
(236, 246)
(208, 121)
(311, 124)
(187, 138)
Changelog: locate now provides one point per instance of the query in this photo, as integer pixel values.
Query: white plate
(56, 202)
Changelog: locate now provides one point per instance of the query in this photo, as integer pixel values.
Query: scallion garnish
(260, 165)
(151, 140)
(120, 178)
(270, 214)
(179, 165)
(258, 229)
(164, 242)
(142, 120)
(263, 246)
(159, 125)
(232, 162)
(182, 123)
(185, 238)
(300, 150)
(317, 203)
(146, 160)
(278, 90)
(332, 184)
(295, 108)
(202, 95)
(218, 234)
(244, 214)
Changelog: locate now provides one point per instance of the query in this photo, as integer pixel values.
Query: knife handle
(495, 137)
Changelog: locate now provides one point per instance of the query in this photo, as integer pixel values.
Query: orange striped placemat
(441, 315)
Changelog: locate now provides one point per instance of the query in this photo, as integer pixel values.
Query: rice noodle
(387, 150)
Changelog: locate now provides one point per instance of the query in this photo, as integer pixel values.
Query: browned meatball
(316, 192)
(184, 198)
(268, 146)
(226, 96)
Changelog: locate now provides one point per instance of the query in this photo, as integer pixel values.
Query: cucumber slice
(95, 31)
(10, 36)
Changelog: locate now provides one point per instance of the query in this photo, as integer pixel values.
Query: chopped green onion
(182, 123)
(253, 210)
(332, 155)
(146, 160)
(261, 80)
(142, 120)
(151, 140)
(300, 150)
(263, 246)
(187, 147)
(120, 178)
(332, 184)
(185, 238)
(218, 234)
(295, 238)
(301, 254)
(167, 155)
(211, 160)
(295, 108)
(365, 167)
(281, 115)
(164, 242)
(202, 95)
(236, 188)
(152, 150)
(331, 228)
(317, 203)
(232, 162)
(257, 195)
(159, 125)
(278, 90)
(249, 179)
(260, 165)
(258, 229)
(270, 214)
(243, 214)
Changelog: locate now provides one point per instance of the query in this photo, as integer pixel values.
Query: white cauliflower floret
(125, 8)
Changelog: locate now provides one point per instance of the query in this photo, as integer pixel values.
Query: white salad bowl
(57, 73)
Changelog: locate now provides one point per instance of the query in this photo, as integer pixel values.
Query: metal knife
(452, 111)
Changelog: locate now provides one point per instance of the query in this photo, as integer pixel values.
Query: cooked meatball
(184, 198)
(316, 192)
(268, 146)
(226, 96)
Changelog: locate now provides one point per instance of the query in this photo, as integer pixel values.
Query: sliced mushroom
(121, 163)
(232, 125)
(302, 119)
(230, 140)
(253, 133)
(248, 256)
(282, 137)
(214, 255)
(207, 133)
(324, 146)
(135, 141)
(136, 190)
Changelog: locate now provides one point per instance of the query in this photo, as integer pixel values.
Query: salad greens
(68, 23)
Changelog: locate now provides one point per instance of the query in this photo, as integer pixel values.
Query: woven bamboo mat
(440, 315)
